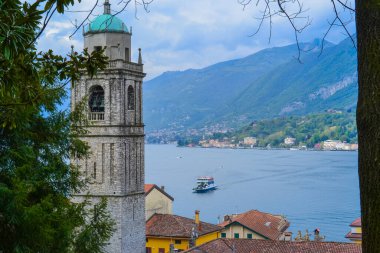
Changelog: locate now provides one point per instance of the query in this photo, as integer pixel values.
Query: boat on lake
(204, 184)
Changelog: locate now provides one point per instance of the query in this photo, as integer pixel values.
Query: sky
(181, 34)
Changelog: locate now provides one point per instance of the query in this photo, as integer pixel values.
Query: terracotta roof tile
(269, 225)
(267, 246)
(351, 235)
(357, 222)
(169, 225)
(148, 187)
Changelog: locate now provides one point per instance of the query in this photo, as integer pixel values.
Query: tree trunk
(368, 120)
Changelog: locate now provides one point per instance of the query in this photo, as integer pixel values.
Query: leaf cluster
(37, 140)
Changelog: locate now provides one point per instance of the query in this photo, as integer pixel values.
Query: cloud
(175, 35)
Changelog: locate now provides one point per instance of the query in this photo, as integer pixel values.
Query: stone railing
(120, 64)
(96, 116)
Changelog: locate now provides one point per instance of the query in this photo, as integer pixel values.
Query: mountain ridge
(266, 84)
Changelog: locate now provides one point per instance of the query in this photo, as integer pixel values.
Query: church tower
(115, 166)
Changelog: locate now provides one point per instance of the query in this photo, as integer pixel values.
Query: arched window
(96, 101)
(131, 98)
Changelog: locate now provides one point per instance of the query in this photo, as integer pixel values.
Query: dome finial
(140, 58)
(107, 7)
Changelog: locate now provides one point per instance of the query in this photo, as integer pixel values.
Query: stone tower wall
(128, 212)
(115, 166)
(116, 44)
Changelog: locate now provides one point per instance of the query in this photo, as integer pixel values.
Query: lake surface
(312, 189)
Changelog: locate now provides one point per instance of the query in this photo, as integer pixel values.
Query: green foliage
(37, 141)
(184, 141)
(263, 85)
(86, 239)
(308, 130)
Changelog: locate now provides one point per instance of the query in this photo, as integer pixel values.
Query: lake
(312, 189)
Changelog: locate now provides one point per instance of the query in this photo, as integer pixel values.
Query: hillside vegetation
(270, 83)
(308, 130)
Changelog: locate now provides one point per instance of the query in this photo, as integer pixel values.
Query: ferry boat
(204, 184)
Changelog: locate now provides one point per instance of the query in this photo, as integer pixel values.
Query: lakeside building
(255, 225)
(115, 134)
(355, 235)
(289, 141)
(226, 245)
(338, 145)
(157, 200)
(250, 141)
(217, 144)
(168, 233)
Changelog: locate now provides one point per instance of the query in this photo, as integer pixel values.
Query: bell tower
(115, 166)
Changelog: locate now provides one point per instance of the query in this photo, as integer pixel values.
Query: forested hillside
(307, 130)
(270, 83)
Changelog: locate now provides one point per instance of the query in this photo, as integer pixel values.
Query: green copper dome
(106, 23)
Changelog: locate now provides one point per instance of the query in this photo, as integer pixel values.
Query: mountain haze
(266, 84)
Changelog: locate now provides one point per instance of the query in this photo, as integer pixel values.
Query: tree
(37, 140)
(367, 18)
(368, 119)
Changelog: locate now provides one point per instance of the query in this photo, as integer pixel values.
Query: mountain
(266, 84)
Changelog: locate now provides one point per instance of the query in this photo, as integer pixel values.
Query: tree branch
(295, 13)
(82, 23)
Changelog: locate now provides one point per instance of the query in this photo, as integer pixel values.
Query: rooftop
(266, 224)
(353, 236)
(357, 222)
(169, 225)
(106, 22)
(149, 187)
(223, 245)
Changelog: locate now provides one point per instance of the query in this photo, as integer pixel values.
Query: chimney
(288, 236)
(197, 221)
(163, 187)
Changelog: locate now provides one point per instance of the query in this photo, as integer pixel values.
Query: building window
(96, 102)
(131, 98)
(177, 241)
(127, 54)
(161, 250)
(236, 235)
(148, 250)
(97, 48)
(249, 236)
(223, 235)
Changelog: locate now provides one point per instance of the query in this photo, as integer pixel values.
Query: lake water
(312, 189)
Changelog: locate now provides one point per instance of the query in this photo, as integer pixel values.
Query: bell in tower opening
(115, 166)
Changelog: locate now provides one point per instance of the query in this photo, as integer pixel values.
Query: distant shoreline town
(251, 143)
(326, 131)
